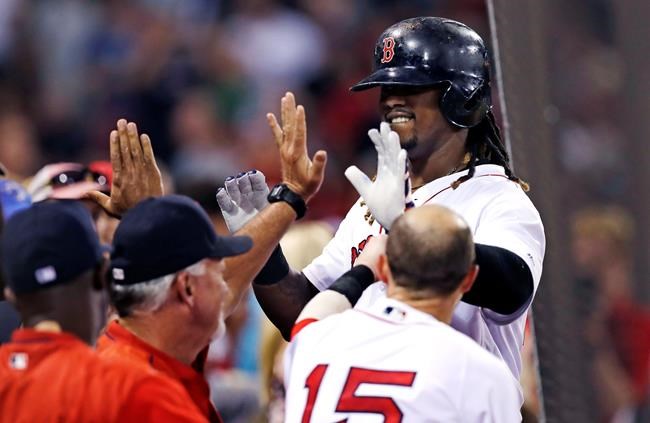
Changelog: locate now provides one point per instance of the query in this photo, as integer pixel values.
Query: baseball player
(48, 372)
(433, 75)
(397, 357)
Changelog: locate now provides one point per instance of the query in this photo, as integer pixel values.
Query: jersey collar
(430, 189)
(33, 336)
(397, 312)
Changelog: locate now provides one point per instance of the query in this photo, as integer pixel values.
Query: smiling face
(414, 113)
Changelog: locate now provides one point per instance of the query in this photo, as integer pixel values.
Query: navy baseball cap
(48, 244)
(163, 235)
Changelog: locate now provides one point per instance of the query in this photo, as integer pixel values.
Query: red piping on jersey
(301, 325)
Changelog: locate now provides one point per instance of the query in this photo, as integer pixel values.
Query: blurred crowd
(199, 76)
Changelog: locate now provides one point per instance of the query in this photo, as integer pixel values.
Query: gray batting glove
(242, 198)
(386, 197)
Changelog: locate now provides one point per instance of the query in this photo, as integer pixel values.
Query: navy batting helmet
(430, 51)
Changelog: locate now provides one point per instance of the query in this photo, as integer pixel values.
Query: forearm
(266, 230)
(283, 301)
(504, 283)
(342, 295)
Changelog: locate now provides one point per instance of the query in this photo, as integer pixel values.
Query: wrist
(352, 283)
(282, 192)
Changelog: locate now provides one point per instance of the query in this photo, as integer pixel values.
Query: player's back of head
(430, 249)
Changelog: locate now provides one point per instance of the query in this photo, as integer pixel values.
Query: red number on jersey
(386, 406)
(349, 402)
(389, 50)
(313, 385)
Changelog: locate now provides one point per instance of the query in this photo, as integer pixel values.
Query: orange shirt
(119, 342)
(54, 377)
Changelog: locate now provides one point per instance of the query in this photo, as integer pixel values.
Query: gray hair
(148, 296)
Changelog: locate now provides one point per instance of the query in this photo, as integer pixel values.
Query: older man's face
(211, 297)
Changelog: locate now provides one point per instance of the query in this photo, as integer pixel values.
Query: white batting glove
(243, 197)
(389, 194)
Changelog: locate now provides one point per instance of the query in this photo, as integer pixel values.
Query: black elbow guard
(275, 269)
(504, 283)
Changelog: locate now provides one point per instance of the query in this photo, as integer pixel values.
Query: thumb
(318, 164)
(359, 180)
(225, 203)
(101, 199)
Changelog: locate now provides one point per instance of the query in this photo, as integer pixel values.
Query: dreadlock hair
(484, 145)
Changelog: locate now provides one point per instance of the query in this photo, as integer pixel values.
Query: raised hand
(135, 173)
(242, 198)
(387, 196)
(302, 175)
(374, 248)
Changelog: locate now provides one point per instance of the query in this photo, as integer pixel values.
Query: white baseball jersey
(499, 214)
(389, 362)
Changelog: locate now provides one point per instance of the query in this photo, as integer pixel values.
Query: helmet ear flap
(465, 111)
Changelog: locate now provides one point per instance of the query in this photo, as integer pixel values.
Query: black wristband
(275, 269)
(354, 282)
(282, 192)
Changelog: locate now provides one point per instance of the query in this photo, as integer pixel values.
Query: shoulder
(155, 397)
(113, 349)
(310, 327)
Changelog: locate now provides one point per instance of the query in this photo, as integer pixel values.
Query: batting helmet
(430, 51)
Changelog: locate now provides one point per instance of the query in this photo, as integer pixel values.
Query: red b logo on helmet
(389, 49)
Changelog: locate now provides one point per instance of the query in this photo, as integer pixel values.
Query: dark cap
(48, 244)
(164, 235)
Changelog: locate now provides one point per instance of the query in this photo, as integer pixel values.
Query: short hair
(430, 258)
(148, 296)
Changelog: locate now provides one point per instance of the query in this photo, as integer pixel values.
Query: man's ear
(9, 295)
(468, 280)
(185, 288)
(383, 269)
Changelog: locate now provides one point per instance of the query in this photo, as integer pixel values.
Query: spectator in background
(204, 151)
(18, 147)
(258, 35)
(73, 181)
(69, 181)
(615, 324)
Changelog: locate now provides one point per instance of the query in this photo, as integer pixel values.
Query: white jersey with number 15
(392, 363)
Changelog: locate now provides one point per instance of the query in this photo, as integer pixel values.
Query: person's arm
(283, 301)
(504, 283)
(301, 175)
(344, 293)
